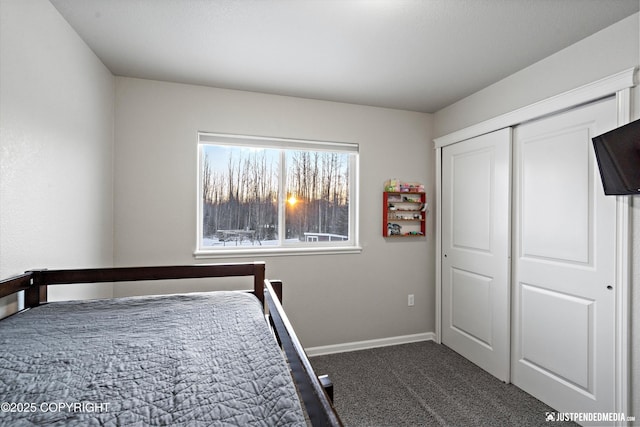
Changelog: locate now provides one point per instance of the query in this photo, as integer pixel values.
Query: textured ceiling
(419, 55)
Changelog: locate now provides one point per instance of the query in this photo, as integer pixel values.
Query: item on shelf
(393, 185)
(393, 229)
(411, 187)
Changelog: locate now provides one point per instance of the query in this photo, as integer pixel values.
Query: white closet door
(475, 250)
(564, 262)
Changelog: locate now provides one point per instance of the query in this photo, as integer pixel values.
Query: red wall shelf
(403, 214)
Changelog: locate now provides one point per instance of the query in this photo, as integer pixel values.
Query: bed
(205, 358)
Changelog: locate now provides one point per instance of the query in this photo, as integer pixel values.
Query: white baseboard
(363, 345)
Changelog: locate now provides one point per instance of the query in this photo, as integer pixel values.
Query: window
(275, 195)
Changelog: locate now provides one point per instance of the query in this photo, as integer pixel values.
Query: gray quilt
(195, 359)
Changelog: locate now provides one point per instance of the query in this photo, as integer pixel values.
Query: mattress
(193, 359)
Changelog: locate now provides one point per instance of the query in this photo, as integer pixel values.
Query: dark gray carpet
(424, 384)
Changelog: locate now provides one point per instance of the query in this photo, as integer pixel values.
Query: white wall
(609, 51)
(56, 141)
(606, 52)
(331, 299)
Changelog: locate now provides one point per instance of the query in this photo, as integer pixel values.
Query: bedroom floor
(424, 384)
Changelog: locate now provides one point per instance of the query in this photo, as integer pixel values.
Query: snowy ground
(214, 242)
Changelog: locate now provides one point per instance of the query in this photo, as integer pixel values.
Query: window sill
(243, 253)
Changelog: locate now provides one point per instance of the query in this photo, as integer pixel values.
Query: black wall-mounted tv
(618, 155)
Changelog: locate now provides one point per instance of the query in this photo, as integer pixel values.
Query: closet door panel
(472, 193)
(564, 262)
(475, 248)
(555, 202)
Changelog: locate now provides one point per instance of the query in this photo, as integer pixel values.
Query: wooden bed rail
(15, 284)
(35, 282)
(316, 401)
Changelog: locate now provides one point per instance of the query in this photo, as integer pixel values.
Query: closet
(531, 278)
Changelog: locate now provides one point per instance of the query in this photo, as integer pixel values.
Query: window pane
(239, 196)
(317, 195)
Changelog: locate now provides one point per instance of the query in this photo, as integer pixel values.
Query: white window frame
(303, 248)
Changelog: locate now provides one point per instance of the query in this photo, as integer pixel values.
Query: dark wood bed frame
(314, 391)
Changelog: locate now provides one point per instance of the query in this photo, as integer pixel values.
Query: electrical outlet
(410, 300)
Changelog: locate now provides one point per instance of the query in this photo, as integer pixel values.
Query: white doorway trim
(620, 85)
(623, 276)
